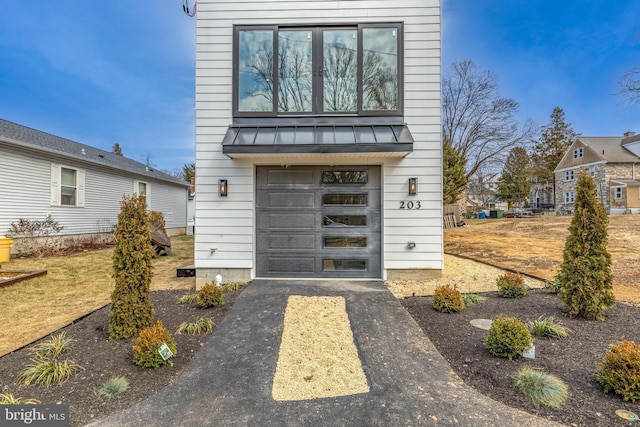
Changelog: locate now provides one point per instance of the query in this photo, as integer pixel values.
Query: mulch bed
(103, 359)
(572, 359)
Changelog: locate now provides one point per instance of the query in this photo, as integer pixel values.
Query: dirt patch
(535, 245)
(571, 359)
(318, 357)
(103, 359)
(466, 275)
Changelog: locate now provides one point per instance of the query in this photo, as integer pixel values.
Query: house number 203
(410, 205)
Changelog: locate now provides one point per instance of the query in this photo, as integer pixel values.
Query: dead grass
(75, 285)
(535, 245)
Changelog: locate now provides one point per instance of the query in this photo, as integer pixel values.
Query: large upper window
(353, 70)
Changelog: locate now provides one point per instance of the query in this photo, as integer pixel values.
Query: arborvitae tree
(514, 183)
(585, 280)
(117, 150)
(131, 309)
(454, 177)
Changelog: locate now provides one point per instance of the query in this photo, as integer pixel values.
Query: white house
(79, 186)
(318, 143)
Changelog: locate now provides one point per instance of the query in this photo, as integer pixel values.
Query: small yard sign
(165, 351)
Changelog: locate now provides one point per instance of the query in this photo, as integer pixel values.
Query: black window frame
(317, 95)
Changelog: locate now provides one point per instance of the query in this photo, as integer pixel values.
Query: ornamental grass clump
(511, 285)
(188, 298)
(619, 370)
(53, 347)
(201, 325)
(541, 388)
(147, 345)
(45, 368)
(210, 295)
(447, 299)
(473, 299)
(10, 399)
(45, 371)
(114, 386)
(507, 337)
(546, 327)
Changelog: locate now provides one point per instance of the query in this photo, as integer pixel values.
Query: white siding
(227, 224)
(25, 183)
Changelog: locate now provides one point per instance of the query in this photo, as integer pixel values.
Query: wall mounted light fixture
(413, 186)
(222, 187)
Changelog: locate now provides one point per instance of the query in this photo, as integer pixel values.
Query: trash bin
(5, 249)
(500, 213)
(493, 214)
(482, 215)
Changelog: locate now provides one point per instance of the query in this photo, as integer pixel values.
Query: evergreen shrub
(131, 309)
(447, 299)
(511, 285)
(210, 295)
(585, 281)
(619, 370)
(147, 344)
(507, 337)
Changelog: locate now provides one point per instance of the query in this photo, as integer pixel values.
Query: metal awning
(247, 140)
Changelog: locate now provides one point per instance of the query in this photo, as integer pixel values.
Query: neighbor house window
(568, 176)
(569, 197)
(592, 170)
(141, 188)
(67, 186)
(350, 69)
(617, 193)
(578, 153)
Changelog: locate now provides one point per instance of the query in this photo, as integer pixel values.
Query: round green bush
(447, 299)
(507, 337)
(511, 285)
(210, 295)
(619, 370)
(147, 344)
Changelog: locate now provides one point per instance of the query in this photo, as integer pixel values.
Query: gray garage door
(318, 221)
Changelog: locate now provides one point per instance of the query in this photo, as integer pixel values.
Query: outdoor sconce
(413, 186)
(222, 187)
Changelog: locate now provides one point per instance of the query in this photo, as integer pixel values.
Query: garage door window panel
(345, 221)
(344, 264)
(345, 199)
(345, 242)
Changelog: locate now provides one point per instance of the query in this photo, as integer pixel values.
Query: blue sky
(101, 72)
(548, 53)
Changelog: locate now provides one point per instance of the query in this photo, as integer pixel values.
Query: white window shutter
(80, 173)
(55, 185)
(148, 196)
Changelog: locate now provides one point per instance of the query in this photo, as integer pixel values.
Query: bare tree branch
(477, 120)
(629, 85)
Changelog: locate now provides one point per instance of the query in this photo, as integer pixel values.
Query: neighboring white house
(318, 143)
(79, 186)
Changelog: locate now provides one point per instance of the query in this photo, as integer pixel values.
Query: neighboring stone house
(79, 186)
(318, 139)
(614, 164)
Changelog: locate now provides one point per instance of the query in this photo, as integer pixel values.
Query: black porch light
(413, 186)
(222, 187)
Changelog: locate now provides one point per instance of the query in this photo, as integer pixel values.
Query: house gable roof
(22, 136)
(598, 149)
